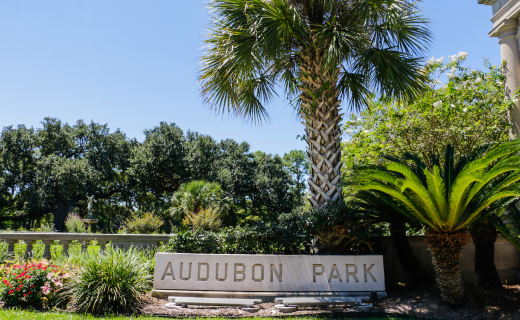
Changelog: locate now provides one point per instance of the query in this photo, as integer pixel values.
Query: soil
(402, 302)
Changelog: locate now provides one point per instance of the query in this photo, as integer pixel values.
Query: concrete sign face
(268, 273)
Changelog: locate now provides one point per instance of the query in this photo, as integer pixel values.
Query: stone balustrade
(116, 240)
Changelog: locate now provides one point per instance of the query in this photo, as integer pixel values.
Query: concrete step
(322, 301)
(217, 302)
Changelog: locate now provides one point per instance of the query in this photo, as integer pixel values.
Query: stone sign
(268, 273)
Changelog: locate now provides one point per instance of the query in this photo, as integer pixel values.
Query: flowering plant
(32, 284)
(468, 110)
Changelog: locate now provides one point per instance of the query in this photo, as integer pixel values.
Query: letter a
(169, 267)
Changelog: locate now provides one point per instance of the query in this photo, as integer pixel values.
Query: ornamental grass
(110, 283)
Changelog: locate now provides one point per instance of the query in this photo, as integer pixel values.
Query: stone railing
(48, 238)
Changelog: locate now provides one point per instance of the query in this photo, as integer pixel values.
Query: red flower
(11, 292)
(29, 292)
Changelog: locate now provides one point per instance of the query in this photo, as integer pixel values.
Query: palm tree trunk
(409, 261)
(484, 236)
(322, 121)
(446, 251)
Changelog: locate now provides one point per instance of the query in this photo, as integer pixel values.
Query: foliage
(197, 197)
(74, 224)
(343, 229)
(54, 167)
(296, 163)
(261, 239)
(147, 223)
(448, 198)
(468, 111)
(375, 42)
(111, 282)
(507, 220)
(32, 284)
(49, 170)
(205, 219)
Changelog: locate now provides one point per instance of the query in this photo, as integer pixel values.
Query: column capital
(508, 28)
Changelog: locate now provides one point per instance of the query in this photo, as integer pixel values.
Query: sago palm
(317, 52)
(447, 200)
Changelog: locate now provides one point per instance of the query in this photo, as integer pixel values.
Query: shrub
(206, 219)
(148, 223)
(261, 239)
(343, 229)
(74, 224)
(32, 284)
(111, 282)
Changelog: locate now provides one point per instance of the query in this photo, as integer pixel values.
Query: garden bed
(401, 302)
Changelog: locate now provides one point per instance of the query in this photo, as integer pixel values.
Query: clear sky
(133, 63)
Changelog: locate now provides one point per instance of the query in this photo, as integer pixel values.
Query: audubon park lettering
(268, 273)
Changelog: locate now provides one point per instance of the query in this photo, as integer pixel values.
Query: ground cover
(30, 315)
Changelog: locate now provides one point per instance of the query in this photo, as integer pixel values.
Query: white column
(510, 54)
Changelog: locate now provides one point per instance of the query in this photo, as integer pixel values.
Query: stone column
(10, 247)
(47, 251)
(29, 249)
(65, 247)
(510, 54)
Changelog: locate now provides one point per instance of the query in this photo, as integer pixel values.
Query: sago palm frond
(455, 197)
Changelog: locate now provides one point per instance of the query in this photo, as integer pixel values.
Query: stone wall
(507, 260)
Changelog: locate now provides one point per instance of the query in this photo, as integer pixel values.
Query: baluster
(84, 245)
(102, 245)
(29, 249)
(47, 251)
(10, 247)
(65, 247)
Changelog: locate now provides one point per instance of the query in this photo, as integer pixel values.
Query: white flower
(465, 83)
(478, 80)
(452, 57)
(465, 110)
(349, 131)
(453, 70)
(359, 120)
(440, 60)
(437, 81)
(366, 131)
(472, 70)
(437, 104)
(463, 55)
(452, 105)
(444, 86)
(431, 61)
(450, 75)
(488, 77)
(353, 115)
(500, 83)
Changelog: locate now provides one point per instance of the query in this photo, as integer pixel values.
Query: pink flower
(57, 282)
(50, 275)
(46, 289)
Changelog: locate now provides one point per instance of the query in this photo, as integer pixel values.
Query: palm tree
(448, 200)
(318, 52)
(196, 197)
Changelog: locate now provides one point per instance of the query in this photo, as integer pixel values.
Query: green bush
(261, 239)
(74, 224)
(110, 282)
(148, 223)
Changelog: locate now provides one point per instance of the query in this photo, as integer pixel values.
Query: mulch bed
(405, 301)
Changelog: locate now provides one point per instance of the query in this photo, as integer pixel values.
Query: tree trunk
(446, 250)
(484, 236)
(61, 212)
(322, 121)
(409, 262)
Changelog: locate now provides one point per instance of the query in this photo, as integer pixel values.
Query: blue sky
(133, 64)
